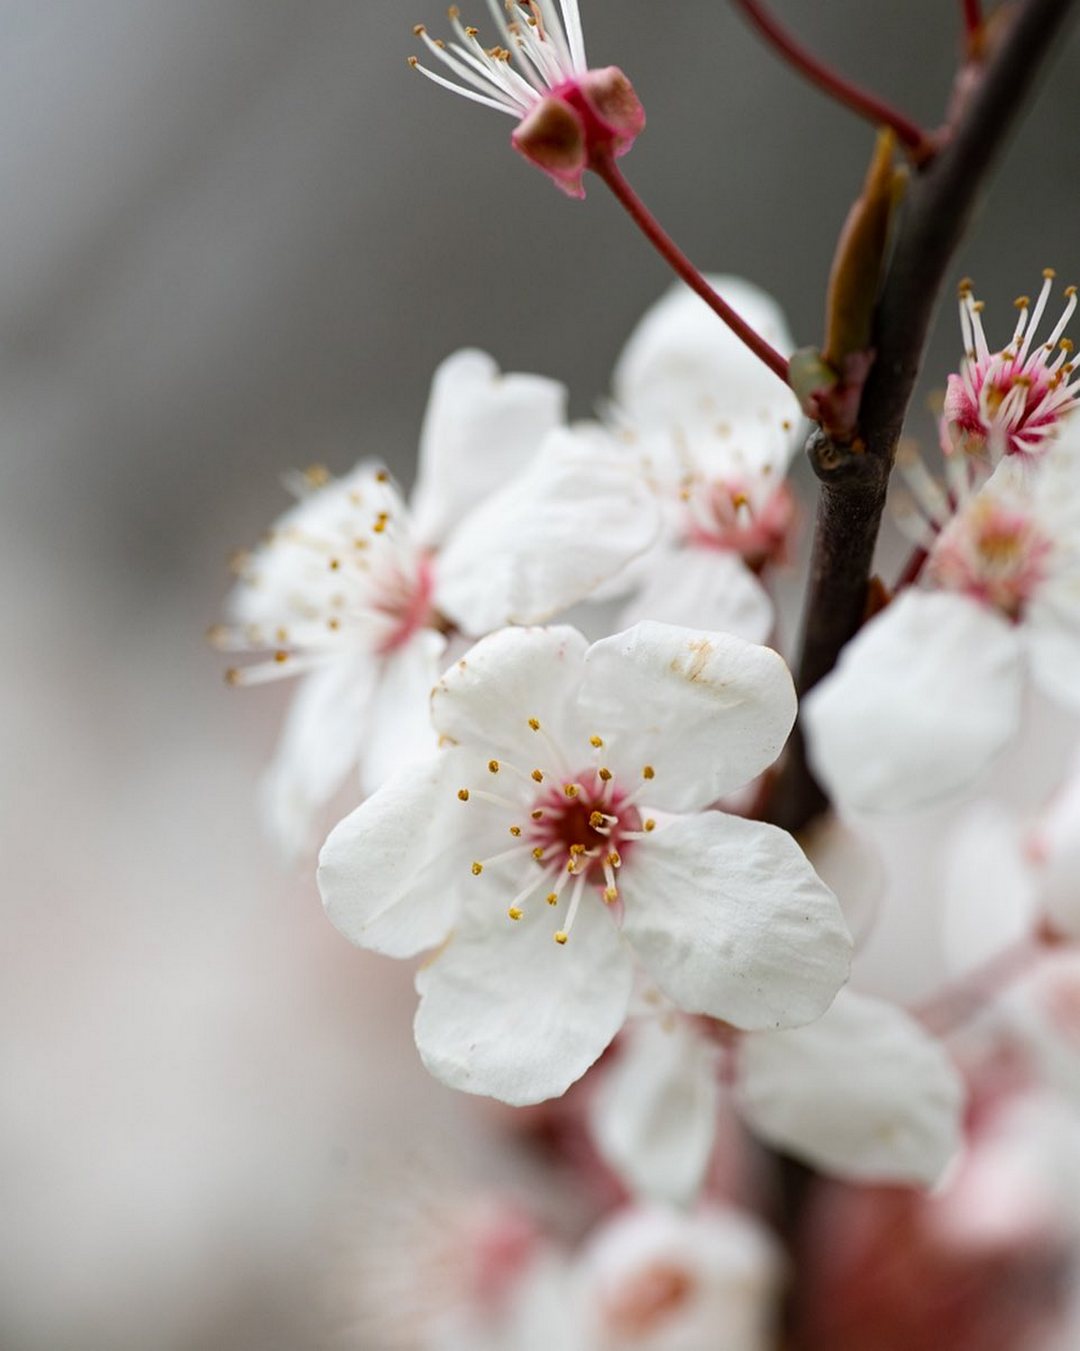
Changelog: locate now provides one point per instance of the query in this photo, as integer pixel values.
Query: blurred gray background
(237, 236)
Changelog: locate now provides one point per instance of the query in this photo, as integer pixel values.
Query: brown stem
(854, 478)
(973, 18)
(837, 86)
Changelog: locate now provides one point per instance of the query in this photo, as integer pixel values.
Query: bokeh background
(237, 236)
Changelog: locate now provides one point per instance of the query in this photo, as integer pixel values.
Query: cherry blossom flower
(931, 691)
(535, 842)
(513, 518)
(862, 1093)
(1011, 403)
(569, 116)
(714, 431)
(655, 1279)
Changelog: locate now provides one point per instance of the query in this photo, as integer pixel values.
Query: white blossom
(714, 432)
(863, 1093)
(569, 805)
(931, 691)
(514, 517)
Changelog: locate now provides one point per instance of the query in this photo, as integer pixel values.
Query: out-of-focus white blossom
(863, 1093)
(654, 1279)
(541, 821)
(514, 517)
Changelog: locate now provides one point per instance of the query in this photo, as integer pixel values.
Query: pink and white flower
(513, 518)
(656, 1279)
(714, 432)
(931, 691)
(569, 116)
(863, 1093)
(1012, 402)
(534, 843)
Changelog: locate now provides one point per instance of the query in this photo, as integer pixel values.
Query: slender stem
(973, 19)
(855, 477)
(647, 223)
(860, 101)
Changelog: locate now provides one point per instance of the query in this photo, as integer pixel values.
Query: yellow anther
(538, 775)
(317, 475)
(514, 912)
(538, 853)
(477, 869)
(650, 824)
(493, 766)
(596, 741)
(604, 774)
(414, 61)
(1049, 274)
(335, 564)
(648, 772)
(418, 30)
(333, 625)
(553, 898)
(577, 850)
(561, 937)
(979, 306)
(463, 794)
(382, 476)
(381, 522)
(233, 676)
(280, 657)
(1067, 345)
(534, 723)
(515, 831)
(610, 894)
(538, 814)
(964, 287)
(615, 859)
(1022, 302)
(570, 789)
(596, 820)
(1070, 291)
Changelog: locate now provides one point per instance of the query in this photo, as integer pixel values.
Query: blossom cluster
(546, 692)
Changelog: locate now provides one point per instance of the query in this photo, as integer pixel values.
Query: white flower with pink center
(931, 691)
(561, 838)
(513, 518)
(568, 115)
(1012, 402)
(714, 432)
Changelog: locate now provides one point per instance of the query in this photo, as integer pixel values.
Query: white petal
(707, 710)
(485, 699)
(682, 365)
(990, 895)
(507, 1012)
(480, 427)
(391, 874)
(729, 919)
(400, 733)
(1052, 632)
(922, 701)
(549, 537)
(653, 1118)
(1058, 851)
(320, 745)
(703, 588)
(864, 1093)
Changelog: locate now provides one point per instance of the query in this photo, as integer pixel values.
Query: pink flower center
(584, 825)
(994, 553)
(729, 514)
(405, 600)
(655, 1294)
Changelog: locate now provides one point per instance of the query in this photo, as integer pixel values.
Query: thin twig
(837, 86)
(650, 227)
(854, 478)
(973, 19)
